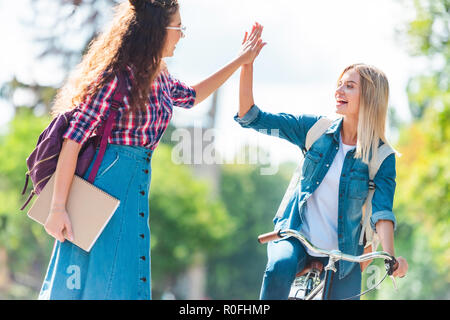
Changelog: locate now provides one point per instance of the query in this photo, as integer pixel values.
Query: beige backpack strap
(312, 135)
(316, 131)
(383, 152)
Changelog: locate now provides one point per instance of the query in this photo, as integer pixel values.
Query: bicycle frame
(334, 256)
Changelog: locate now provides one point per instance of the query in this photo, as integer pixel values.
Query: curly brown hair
(135, 39)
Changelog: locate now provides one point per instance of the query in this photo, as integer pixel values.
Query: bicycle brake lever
(394, 282)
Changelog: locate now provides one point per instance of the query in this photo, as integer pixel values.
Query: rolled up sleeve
(183, 96)
(248, 118)
(292, 128)
(383, 198)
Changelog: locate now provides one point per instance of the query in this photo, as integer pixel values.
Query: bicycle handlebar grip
(270, 236)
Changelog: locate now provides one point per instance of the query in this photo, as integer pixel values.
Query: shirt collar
(335, 129)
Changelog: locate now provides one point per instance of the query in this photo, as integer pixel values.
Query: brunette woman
(142, 33)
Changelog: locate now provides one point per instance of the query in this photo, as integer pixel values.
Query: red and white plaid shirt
(137, 128)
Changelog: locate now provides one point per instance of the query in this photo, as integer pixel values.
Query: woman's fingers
(256, 32)
(68, 229)
(245, 37)
(262, 45)
(58, 235)
(402, 268)
(252, 33)
(252, 44)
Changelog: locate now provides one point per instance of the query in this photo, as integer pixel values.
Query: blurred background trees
(422, 200)
(190, 225)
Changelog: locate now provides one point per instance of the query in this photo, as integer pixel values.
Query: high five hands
(252, 45)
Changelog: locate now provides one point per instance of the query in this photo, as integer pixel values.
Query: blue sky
(309, 43)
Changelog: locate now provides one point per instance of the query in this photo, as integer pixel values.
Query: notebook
(89, 209)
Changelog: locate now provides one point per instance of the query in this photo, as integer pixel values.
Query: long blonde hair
(373, 106)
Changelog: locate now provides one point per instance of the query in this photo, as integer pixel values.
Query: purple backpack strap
(116, 102)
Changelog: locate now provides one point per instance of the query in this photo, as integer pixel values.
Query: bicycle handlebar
(335, 254)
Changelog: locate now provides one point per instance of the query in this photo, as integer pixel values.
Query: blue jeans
(289, 256)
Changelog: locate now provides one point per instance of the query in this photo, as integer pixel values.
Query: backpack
(43, 159)
(368, 237)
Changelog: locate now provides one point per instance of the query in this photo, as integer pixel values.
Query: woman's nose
(339, 90)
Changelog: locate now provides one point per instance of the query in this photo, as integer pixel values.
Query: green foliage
(236, 270)
(428, 35)
(27, 244)
(428, 32)
(184, 218)
(422, 200)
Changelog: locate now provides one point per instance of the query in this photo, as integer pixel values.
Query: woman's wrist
(57, 207)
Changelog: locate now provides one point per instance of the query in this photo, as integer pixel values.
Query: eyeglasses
(180, 28)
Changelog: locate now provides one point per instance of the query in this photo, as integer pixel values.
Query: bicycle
(307, 284)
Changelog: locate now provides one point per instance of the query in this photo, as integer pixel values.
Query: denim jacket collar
(335, 129)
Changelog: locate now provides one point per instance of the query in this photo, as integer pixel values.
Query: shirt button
(142, 214)
(142, 192)
(146, 171)
(142, 235)
(317, 182)
(337, 148)
(327, 165)
(340, 236)
(143, 258)
(343, 175)
(144, 279)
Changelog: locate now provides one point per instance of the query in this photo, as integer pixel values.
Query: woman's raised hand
(252, 45)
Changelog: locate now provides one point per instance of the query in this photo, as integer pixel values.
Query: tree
(27, 246)
(422, 201)
(236, 270)
(184, 218)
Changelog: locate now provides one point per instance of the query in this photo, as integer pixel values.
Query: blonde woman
(327, 207)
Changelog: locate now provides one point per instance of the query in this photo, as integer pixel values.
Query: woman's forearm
(65, 170)
(385, 231)
(206, 87)
(246, 100)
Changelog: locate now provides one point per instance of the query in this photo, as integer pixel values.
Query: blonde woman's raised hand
(252, 45)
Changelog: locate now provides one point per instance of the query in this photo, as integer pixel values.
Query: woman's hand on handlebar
(402, 268)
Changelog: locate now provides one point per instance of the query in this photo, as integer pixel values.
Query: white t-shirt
(321, 216)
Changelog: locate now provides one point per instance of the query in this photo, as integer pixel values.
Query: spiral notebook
(89, 209)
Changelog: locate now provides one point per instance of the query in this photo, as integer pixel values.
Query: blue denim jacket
(353, 184)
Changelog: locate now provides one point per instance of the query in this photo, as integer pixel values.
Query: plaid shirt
(137, 128)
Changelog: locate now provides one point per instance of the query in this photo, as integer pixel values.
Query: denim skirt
(118, 265)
